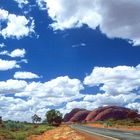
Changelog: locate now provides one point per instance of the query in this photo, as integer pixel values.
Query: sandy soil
(125, 128)
(64, 133)
(1, 138)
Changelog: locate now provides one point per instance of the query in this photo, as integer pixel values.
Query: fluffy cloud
(16, 106)
(21, 3)
(16, 53)
(135, 106)
(91, 102)
(41, 4)
(107, 99)
(25, 75)
(7, 65)
(116, 19)
(83, 12)
(12, 86)
(81, 104)
(20, 108)
(17, 26)
(39, 96)
(119, 86)
(61, 87)
(2, 45)
(4, 53)
(3, 14)
(117, 80)
(64, 94)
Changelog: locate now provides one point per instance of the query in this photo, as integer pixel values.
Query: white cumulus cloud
(2, 45)
(91, 102)
(41, 4)
(116, 19)
(108, 99)
(117, 86)
(25, 75)
(4, 52)
(64, 93)
(8, 64)
(16, 53)
(21, 3)
(3, 14)
(116, 80)
(17, 26)
(12, 86)
(39, 96)
(59, 87)
(135, 106)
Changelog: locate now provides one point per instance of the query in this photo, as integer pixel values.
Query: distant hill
(68, 116)
(100, 114)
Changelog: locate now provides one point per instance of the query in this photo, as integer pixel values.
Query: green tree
(36, 118)
(0, 120)
(54, 117)
(45, 121)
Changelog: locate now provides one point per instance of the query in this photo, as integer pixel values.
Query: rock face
(94, 113)
(79, 116)
(109, 112)
(100, 114)
(113, 112)
(68, 116)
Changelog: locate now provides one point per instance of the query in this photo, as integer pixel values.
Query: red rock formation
(80, 116)
(100, 114)
(94, 113)
(68, 116)
(109, 112)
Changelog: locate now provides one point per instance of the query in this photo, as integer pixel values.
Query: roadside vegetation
(54, 117)
(116, 123)
(125, 122)
(20, 131)
(15, 130)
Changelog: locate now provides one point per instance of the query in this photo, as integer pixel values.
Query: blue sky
(65, 55)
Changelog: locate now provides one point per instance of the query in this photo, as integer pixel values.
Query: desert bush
(13, 125)
(20, 131)
(107, 124)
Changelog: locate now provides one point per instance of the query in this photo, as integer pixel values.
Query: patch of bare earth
(64, 133)
(125, 128)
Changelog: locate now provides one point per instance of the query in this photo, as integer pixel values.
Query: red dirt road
(64, 133)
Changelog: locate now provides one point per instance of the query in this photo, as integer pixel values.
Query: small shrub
(13, 130)
(13, 125)
(21, 137)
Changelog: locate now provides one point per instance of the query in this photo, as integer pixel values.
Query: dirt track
(64, 133)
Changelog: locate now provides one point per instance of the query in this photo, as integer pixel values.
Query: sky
(65, 54)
